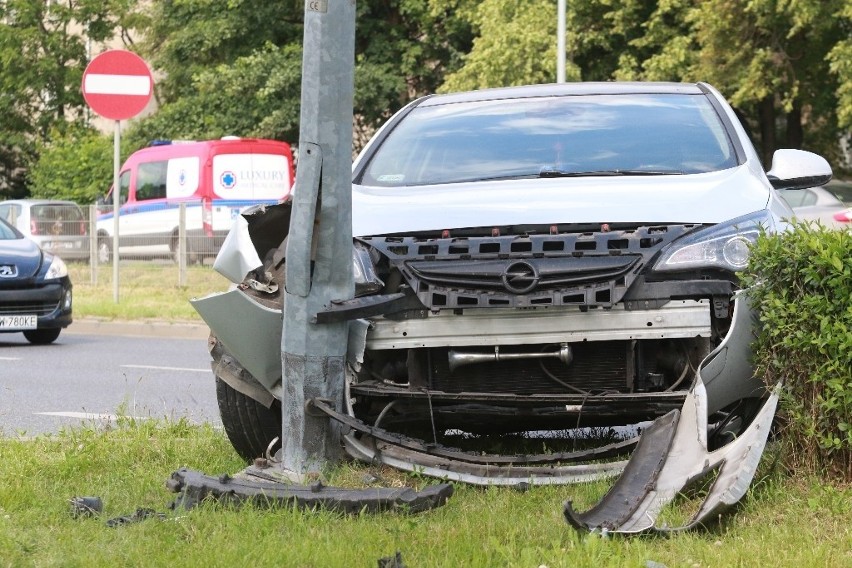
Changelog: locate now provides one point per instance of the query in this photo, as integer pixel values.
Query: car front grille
(26, 297)
(28, 308)
(559, 269)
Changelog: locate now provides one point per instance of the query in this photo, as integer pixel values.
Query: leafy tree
(43, 54)
(515, 44)
(784, 65)
(841, 66)
(771, 59)
(75, 165)
(185, 38)
(256, 95)
(234, 67)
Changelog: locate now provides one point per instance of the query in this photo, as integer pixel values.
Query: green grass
(783, 521)
(147, 291)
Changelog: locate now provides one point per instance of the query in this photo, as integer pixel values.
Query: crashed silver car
(528, 260)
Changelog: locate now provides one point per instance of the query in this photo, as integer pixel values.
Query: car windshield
(623, 134)
(10, 212)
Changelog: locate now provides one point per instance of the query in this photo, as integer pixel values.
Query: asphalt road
(95, 370)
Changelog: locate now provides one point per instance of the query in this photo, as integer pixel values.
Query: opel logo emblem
(8, 271)
(520, 277)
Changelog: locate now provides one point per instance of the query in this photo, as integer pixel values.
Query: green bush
(801, 283)
(77, 166)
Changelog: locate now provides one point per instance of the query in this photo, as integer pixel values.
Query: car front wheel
(250, 426)
(42, 336)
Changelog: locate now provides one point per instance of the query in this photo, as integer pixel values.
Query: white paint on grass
(89, 416)
(156, 368)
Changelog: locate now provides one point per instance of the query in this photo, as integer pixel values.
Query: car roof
(563, 89)
(39, 202)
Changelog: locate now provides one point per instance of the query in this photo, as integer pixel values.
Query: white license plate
(18, 322)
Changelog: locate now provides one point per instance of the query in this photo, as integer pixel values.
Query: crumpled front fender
(250, 331)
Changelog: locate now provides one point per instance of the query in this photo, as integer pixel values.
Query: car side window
(808, 198)
(799, 197)
(796, 197)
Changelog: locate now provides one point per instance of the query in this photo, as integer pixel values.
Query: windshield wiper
(499, 178)
(551, 173)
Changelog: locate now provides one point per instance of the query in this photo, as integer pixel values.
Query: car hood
(23, 254)
(696, 198)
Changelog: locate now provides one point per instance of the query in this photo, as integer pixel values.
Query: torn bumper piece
(410, 454)
(672, 454)
(194, 487)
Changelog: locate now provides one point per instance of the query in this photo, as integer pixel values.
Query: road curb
(162, 329)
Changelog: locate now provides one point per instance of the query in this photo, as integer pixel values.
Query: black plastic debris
(194, 487)
(394, 561)
(140, 514)
(85, 506)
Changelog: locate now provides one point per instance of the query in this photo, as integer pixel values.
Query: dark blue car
(35, 290)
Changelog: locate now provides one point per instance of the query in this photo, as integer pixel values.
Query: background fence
(181, 242)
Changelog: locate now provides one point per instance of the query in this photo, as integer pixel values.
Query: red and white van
(215, 178)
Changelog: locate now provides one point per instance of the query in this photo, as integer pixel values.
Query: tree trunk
(767, 130)
(795, 132)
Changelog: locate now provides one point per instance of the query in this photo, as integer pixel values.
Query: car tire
(104, 252)
(42, 336)
(249, 425)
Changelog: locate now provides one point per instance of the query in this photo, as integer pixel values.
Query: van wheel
(42, 336)
(104, 250)
(191, 256)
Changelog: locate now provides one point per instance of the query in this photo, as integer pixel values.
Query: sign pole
(116, 203)
(118, 85)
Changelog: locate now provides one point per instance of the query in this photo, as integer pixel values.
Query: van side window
(151, 180)
(123, 188)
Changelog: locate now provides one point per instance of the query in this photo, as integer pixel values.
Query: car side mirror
(798, 169)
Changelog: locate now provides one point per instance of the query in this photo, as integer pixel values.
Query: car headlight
(57, 269)
(364, 273)
(726, 245)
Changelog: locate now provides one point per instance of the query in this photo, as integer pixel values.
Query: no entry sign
(117, 84)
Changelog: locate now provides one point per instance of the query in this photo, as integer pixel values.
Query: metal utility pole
(319, 246)
(560, 43)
